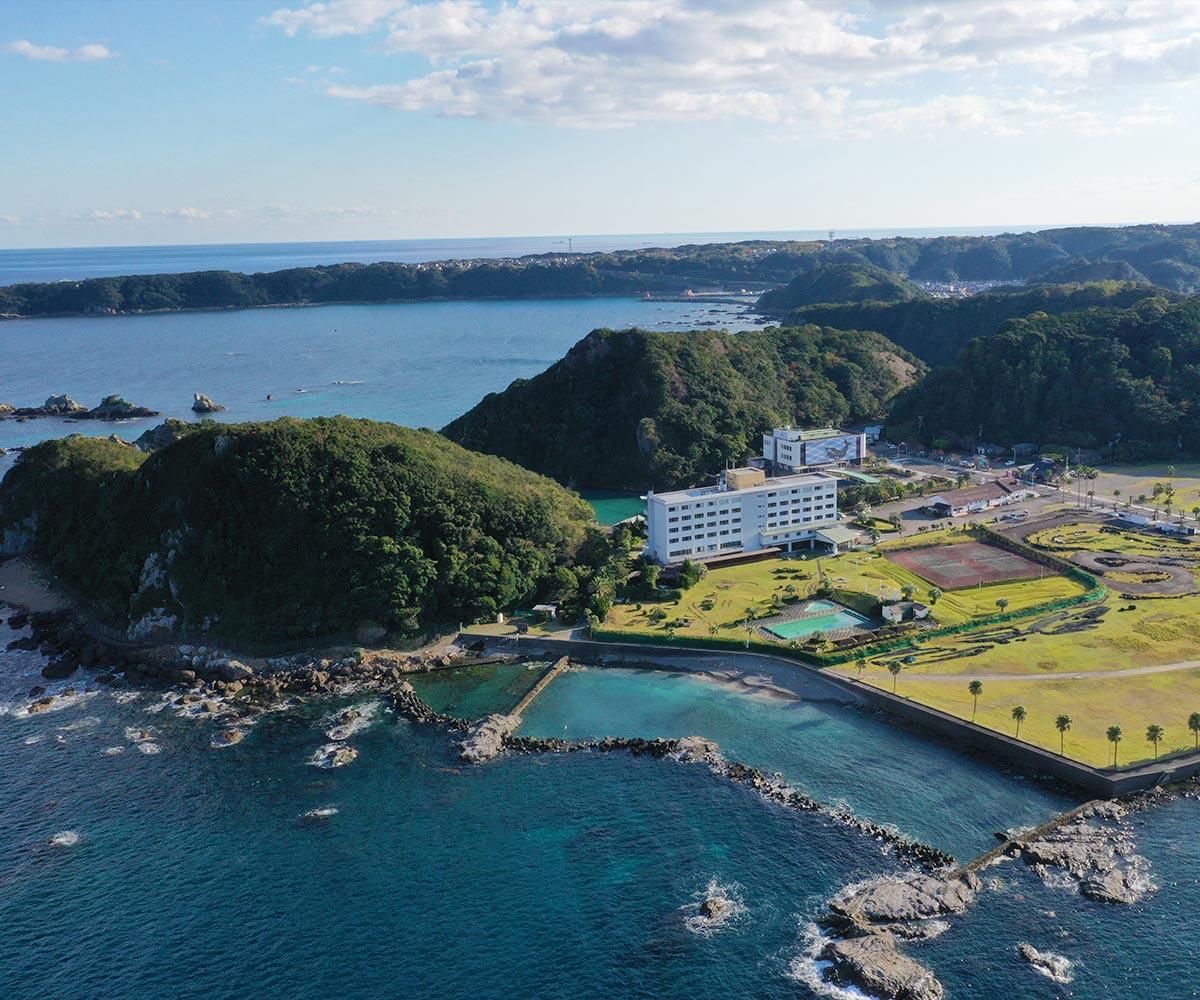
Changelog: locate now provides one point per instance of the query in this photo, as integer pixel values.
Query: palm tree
(1062, 724)
(712, 630)
(976, 689)
(1194, 726)
(1002, 603)
(860, 661)
(1116, 496)
(894, 668)
(1114, 737)
(1153, 735)
(1019, 714)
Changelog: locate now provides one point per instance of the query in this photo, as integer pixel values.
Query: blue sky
(196, 122)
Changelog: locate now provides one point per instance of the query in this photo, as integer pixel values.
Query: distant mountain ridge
(1169, 256)
(838, 283)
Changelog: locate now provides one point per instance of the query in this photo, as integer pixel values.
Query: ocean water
(74, 263)
(419, 364)
(193, 872)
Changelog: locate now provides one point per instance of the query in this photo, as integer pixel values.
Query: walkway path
(1161, 668)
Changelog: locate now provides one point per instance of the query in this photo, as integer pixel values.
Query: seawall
(817, 684)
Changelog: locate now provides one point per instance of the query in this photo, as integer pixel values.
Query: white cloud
(51, 53)
(973, 64)
(115, 215)
(185, 214)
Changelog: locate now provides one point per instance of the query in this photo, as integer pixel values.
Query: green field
(727, 596)
(1087, 537)
(1093, 705)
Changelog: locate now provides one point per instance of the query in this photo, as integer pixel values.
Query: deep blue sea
(420, 364)
(74, 263)
(162, 868)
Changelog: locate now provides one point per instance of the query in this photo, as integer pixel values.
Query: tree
(1194, 726)
(873, 534)
(650, 574)
(1002, 603)
(894, 520)
(1062, 724)
(934, 594)
(976, 689)
(894, 668)
(908, 590)
(1114, 737)
(1019, 715)
(712, 630)
(593, 622)
(860, 661)
(690, 574)
(1154, 734)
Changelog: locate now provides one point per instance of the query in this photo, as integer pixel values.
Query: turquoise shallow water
(195, 874)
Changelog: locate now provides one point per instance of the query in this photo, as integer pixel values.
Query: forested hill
(935, 330)
(294, 528)
(1079, 379)
(1166, 255)
(635, 409)
(838, 283)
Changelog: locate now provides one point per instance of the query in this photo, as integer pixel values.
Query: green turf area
(727, 596)
(1054, 664)
(1093, 705)
(1137, 480)
(1087, 537)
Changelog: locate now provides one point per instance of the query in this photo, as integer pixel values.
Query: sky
(137, 123)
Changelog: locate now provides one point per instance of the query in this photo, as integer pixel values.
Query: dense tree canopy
(637, 409)
(935, 330)
(1079, 378)
(296, 528)
(838, 283)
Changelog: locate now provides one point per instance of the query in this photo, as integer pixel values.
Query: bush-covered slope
(1079, 379)
(839, 283)
(935, 330)
(635, 409)
(294, 528)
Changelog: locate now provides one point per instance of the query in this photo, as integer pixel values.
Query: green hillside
(294, 528)
(635, 409)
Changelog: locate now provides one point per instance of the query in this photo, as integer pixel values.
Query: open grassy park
(726, 597)
(1128, 662)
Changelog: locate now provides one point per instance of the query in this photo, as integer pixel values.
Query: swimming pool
(818, 623)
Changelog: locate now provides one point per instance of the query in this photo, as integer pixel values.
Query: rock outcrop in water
(486, 738)
(1052, 966)
(871, 921)
(1100, 857)
(202, 404)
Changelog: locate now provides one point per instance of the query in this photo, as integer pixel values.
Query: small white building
(746, 512)
(901, 610)
(787, 449)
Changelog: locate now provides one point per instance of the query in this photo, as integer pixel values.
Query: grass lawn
(722, 598)
(1088, 537)
(1134, 480)
(1093, 705)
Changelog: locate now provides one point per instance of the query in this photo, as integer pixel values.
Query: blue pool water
(817, 623)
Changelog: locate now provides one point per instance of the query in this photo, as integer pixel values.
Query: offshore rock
(1100, 858)
(6, 409)
(115, 408)
(55, 406)
(878, 968)
(914, 897)
(1050, 965)
(485, 738)
(202, 404)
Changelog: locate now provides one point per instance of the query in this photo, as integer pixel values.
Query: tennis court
(966, 564)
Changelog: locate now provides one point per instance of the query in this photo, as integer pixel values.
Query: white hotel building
(746, 512)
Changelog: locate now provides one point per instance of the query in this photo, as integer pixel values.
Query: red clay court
(965, 564)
